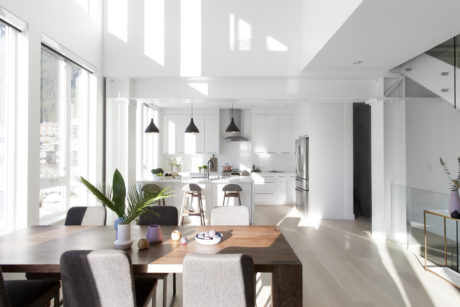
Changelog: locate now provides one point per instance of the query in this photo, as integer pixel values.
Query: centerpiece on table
(454, 184)
(127, 205)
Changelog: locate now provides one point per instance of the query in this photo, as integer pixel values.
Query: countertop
(217, 180)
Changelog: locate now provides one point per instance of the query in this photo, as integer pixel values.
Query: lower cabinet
(273, 189)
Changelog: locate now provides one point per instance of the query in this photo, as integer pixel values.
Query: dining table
(38, 249)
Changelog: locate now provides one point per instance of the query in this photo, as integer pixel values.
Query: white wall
(68, 24)
(330, 128)
(432, 132)
(320, 20)
(169, 35)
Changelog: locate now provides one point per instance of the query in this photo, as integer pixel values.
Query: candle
(175, 235)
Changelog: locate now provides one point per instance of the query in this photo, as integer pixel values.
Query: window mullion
(67, 131)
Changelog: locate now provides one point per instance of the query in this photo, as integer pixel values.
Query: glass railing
(435, 70)
(407, 207)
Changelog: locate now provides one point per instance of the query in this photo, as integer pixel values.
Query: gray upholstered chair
(153, 190)
(167, 216)
(160, 215)
(230, 216)
(103, 278)
(86, 216)
(218, 280)
(28, 292)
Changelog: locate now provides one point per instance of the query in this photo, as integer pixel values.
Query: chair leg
(56, 299)
(165, 291)
(174, 284)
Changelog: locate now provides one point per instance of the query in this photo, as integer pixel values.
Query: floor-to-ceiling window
(147, 143)
(63, 133)
(8, 43)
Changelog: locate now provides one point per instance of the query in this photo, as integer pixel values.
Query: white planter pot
(124, 237)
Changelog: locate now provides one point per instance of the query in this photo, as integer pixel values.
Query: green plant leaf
(118, 190)
(102, 197)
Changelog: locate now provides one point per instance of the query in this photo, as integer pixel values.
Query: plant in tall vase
(127, 205)
(454, 184)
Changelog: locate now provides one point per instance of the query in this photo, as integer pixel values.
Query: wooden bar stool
(193, 192)
(231, 190)
(153, 190)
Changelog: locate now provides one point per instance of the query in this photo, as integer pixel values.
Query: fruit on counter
(157, 171)
(175, 235)
(183, 241)
(143, 243)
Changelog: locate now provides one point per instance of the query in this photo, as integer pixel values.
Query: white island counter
(212, 192)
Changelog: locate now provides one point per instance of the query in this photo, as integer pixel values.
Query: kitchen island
(211, 191)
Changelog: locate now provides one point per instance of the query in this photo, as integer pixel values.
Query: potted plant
(127, 205)
(454, 184)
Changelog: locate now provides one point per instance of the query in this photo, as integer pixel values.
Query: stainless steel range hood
(237, 115)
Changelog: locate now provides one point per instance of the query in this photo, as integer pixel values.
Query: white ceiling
(384, 34)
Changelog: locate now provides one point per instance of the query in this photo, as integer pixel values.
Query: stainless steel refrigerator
(302, 186)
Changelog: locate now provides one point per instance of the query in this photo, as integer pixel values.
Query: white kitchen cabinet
(282, 189)
(258, 133)
(291, 190)
(272, 133)
(176, 141)
(211, 134)
(285, 139)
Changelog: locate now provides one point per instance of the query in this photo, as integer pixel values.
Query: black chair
(160, 215)
(163, 216)
(24, 293)
(103, 278)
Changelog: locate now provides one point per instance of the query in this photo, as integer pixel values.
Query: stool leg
(181, 222)
(239, 199)
(200, 204)
(223, 201)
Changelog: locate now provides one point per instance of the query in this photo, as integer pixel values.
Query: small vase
(115, 225)
(123, 240)
(454, 202)
(154, 234)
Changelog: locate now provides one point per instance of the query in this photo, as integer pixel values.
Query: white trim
(13, 20)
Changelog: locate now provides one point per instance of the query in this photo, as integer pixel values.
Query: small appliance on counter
(213, 168)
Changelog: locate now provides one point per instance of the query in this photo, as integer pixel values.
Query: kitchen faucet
(210, 164)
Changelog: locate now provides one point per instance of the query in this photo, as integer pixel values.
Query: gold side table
(444, 215)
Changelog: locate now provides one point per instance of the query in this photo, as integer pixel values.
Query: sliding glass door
(63, 133)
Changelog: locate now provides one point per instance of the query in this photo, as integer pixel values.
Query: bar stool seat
(194, 191)
(231, 190)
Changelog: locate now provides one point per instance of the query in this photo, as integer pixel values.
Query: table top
(38, 249)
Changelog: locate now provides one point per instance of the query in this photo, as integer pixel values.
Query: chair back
(99, 278)
(218, 280)
(234, 215)
(164, 216)
(86, 216)
(232, 188)
(4, 301)
(194, 187)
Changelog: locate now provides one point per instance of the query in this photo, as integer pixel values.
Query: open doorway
(362, 180)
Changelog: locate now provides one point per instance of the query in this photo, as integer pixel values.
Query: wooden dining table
(38, 249)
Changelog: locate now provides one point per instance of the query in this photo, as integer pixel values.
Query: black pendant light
(151, 128)
(192, 128)
(232, 127)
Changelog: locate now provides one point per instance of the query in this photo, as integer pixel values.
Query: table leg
(287, 285)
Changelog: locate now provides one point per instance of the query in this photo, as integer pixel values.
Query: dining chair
(163, 216)
(24, 293)
(86, 216)
(103, 278)
(153, 190)
(218, 280)
(160, 215)
(234, 216)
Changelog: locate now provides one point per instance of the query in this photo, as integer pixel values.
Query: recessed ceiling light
(357, 62)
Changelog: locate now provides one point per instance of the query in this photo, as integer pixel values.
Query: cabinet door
(194, 143)
(180, 121)
(169, 134)
(291, 190)
(271, 133)
(257, 133)
(211, 134)
(285, 141)
(282, 184)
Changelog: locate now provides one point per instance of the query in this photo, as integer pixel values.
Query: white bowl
(215, 240)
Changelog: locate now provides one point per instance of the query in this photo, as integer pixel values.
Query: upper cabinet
(176, 141)
(272, 133)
